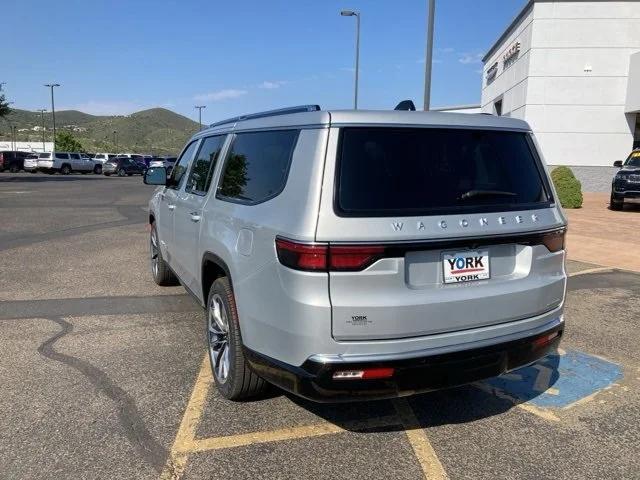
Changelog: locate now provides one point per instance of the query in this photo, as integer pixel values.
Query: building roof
(514, 23)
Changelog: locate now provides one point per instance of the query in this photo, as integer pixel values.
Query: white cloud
(272, 85)
(470, 58)
(220, 95)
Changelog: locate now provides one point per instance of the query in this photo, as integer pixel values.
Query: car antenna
(406, 105)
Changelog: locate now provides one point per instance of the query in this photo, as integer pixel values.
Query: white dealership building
(571, 69)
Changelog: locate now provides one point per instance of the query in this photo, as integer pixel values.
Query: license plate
(465, 266)
(634, 178)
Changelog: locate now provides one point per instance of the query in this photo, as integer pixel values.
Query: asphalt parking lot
(103, 375)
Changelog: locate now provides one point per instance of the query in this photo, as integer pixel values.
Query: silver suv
(361, 254)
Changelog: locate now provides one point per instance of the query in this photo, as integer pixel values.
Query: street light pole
(42, 110)
(14, 147)
(429, 54)
(351, 13)
(115, 140)
(53, 111)
(200, 107)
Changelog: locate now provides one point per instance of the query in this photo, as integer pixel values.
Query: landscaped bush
(568, 187)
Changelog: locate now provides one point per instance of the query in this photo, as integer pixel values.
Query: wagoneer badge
(464, 223)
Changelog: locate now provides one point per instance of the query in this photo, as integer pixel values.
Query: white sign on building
(568, 68)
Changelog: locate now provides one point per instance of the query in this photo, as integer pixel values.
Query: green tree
(66, 142)
(4, 105)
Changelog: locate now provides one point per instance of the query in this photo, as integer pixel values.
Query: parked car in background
(337, 272)
(31, 163)
(12, 160)
(166, 162)
(123, 166)
(626, 182)
(65, 163)
(103, 157)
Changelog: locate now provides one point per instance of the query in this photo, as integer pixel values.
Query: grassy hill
(157, 131)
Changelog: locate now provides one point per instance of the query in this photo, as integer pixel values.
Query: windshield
(418, 171)
(633, 160)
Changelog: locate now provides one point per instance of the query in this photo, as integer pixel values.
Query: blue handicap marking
(558, 381)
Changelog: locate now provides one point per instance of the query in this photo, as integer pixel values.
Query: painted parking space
(559, 380)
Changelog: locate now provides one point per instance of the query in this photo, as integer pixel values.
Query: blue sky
(117, 57)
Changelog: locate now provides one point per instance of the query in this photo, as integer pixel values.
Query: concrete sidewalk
(604, 237)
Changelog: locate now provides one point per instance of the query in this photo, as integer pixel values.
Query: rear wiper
(486, 193)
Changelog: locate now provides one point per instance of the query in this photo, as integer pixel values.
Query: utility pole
(15, 138)
(200, 107)
(53, 111)
(42, 110)
(431, 7)
(115, 140)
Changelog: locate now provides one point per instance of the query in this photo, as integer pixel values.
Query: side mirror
(155, 176)
(617, 163)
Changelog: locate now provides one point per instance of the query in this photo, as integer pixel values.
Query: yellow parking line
(291, 433)
(429, 462)
(591, 270)
(184, 441)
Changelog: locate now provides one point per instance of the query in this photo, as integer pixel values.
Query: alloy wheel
(218, 337)
(154, 252)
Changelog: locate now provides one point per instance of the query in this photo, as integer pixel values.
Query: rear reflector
(366, 374)
(544, 340)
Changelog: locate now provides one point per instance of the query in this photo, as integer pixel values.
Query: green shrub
(568, 187)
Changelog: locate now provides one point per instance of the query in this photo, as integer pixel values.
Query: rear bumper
(314, 379)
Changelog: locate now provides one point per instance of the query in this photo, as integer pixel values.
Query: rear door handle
(171, 207)
(195, 216)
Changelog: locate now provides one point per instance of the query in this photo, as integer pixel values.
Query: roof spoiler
(269, 113)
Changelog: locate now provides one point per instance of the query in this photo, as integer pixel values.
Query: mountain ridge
(155, 130)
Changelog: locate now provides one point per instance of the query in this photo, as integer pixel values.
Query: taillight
(353, 258)
(325, 257)
(554, 241)
(300, 256)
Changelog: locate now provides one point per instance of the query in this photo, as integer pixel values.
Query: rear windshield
(44, 155)
(419, 171)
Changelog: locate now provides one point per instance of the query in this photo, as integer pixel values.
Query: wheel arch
(212, 268)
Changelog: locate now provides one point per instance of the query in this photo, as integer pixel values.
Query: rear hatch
(436, 230)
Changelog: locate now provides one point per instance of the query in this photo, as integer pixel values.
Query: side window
(75, 156)
(204, 164)
(181, 166)
(62, 156)
(257, 166)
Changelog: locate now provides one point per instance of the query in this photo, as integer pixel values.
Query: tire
(160, 270)
(34, 171)
(65, 169)
(107, 174)
(129, 174)
(97, 169)
(122, 172)
(615, 204)
(14, 168)
(231, 372)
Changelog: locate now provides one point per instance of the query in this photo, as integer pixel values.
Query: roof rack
(269, 113)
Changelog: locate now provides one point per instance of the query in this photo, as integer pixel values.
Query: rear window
(64, 156)
(419, 171)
